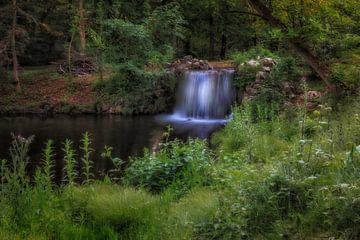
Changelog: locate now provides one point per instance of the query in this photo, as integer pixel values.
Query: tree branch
(31, 18)
(247, 13)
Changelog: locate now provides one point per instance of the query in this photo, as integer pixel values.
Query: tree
(294, 24)
(13, 46)
(82, 27)
(15, 31)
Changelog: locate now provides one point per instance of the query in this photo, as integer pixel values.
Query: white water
(205, 96)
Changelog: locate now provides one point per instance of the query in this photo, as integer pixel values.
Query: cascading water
(205, 95)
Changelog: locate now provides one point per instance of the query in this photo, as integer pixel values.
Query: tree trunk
(82, 27)
(13, 48)
(225, 21)
(69, 58)
(297, 44)
(211, 37)
(223, 46)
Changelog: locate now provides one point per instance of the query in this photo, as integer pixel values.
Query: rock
(188, 58)
(313, 95)
(287, 88)
(267, 62)
(196, 65)
(257, 80)
(260, 75)
(266, 69)
(253, 63)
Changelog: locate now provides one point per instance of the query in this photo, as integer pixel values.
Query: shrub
(347, 75)
(138, 91)
(253, 53)
(184, 164)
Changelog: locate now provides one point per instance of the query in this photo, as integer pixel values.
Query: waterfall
(206, 95)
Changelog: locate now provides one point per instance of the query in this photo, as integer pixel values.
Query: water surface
(127, 135)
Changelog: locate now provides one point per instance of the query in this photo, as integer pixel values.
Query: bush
(347, 75)
(253, 53)
(127, 41)
(184, 164)
(138, 91)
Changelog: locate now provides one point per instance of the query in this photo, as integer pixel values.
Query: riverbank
(45, 91)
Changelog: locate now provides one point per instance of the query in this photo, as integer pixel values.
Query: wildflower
(302, 141)
(312, 178)
(358, 149)
(301, 162)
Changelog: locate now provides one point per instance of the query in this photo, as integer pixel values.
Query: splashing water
(205, 95)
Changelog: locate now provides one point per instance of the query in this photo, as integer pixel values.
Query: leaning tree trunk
(82, 27)
(299, 47)
(13, 48)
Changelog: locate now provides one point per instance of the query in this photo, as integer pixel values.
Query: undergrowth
(292, 175)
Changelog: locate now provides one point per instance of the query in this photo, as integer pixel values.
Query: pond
(128, 135)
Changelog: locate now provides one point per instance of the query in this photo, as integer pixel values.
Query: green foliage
(48, 158)
(184, 165)
(70, 162)
(166, 23)
(121, 207)
(138, 91)
(347, 75)
(128, 42)
(253, 53)
(272, 178)
(299, 185)
(86, 160)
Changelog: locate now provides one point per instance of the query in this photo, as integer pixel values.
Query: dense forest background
(325, 34)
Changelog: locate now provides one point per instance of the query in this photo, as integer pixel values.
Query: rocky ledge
(189, 63)
(264, 65)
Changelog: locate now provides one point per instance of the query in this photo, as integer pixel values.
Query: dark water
(204, 100)
(127, 135)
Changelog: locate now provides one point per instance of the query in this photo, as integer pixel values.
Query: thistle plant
(18, 152)
(69, 158)
(48, 156)
(86, 160)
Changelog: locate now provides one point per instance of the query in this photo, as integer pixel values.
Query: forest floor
(45, 91)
